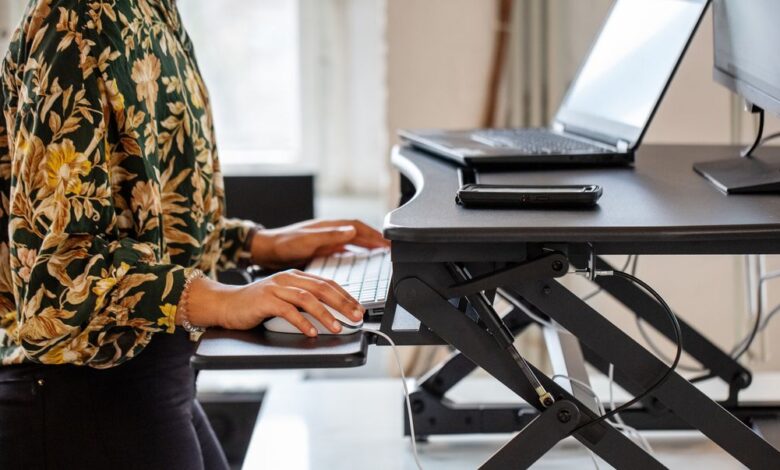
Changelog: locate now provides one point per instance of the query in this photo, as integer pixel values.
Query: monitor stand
(745, 175)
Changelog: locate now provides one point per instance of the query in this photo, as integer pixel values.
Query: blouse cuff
(237, 248)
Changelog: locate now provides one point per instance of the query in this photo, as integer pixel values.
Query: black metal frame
(431, 293)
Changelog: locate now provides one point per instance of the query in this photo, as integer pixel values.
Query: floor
(356, 424)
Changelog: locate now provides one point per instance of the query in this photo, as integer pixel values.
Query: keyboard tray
(261, 349)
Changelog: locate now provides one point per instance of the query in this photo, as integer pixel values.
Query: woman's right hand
(284, 294)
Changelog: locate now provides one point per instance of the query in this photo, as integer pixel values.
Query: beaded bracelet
(194, 331)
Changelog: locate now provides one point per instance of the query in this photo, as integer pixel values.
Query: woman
(112, 211)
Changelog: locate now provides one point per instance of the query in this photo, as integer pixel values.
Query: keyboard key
(365, 275)
(358, 270)
(329, 270)
(316, 265)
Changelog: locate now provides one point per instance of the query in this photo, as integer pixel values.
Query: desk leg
(475, 343)
(641, 368)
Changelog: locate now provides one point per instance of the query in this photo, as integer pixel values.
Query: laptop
(609, 105)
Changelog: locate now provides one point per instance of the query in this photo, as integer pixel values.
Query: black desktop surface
(660, 201)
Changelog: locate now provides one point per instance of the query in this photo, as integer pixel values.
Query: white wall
(438, 55)
(438, 60)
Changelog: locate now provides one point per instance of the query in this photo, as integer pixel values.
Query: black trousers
(139, 415)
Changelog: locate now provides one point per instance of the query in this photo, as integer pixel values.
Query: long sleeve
(235, 249)
(85, 292)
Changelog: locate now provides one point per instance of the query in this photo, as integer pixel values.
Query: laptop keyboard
(535, 142)
(365, 274)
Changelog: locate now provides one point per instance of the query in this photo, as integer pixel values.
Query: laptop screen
(629, 67)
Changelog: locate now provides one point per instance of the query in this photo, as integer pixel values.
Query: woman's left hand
(296, 244)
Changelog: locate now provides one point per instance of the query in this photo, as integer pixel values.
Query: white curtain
(344, 70)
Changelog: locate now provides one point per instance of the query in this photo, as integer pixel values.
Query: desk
(659, 207)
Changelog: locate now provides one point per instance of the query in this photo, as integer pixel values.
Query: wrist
(205, 303)
(262, 249)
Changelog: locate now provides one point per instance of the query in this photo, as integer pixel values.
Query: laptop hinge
(622, 146)
(558, 127)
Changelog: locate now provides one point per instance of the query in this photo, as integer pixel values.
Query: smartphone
(479, 195)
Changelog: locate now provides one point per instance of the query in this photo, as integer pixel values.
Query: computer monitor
(747, 35)
(746, 38)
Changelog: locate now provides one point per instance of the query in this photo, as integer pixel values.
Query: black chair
(272, 201)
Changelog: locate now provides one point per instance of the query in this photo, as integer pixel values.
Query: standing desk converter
(658, 207)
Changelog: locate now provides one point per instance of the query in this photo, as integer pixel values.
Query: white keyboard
(364, 274)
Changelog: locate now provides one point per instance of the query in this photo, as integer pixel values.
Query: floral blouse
(110, 185)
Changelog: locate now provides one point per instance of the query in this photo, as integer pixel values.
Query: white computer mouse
(348, 325)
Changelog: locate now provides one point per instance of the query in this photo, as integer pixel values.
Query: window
(297, 82)
(249, 52)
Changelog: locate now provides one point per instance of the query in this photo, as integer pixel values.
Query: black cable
(702, 378)
(769, 137)
(754, 332)
(665, 376)
(658, 352)
(769, 316)
(746, 344)
(599, 290)
(748, 152)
